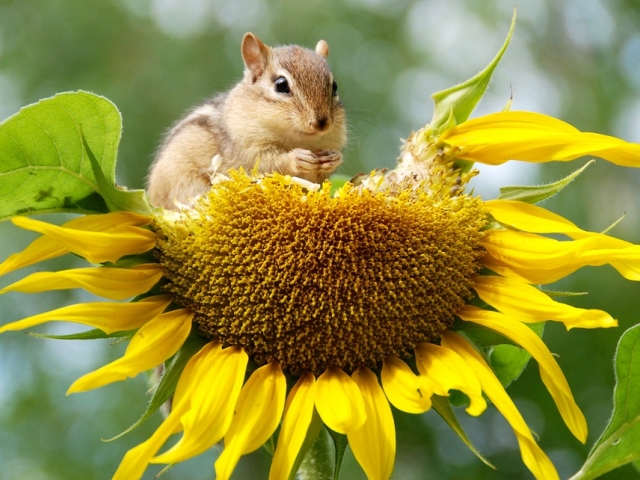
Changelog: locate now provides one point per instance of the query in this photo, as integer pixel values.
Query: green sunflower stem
(318, 463)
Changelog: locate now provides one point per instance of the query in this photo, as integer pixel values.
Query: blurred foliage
(578, 60)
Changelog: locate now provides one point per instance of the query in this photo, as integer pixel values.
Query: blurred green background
(578, 60)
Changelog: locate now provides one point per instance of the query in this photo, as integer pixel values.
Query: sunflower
(336, 304)
(277, 307)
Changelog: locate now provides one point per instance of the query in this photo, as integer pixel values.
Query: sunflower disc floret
(312, 280)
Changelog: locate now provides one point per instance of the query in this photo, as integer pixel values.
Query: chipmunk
(284, 116)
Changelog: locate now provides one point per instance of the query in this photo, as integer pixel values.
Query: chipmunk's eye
(334, 88)
(282, 86)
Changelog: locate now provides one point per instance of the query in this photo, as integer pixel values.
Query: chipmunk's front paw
(314, 167)
(304, 160)
(329, 159)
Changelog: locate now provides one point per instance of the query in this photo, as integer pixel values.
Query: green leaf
(315, 428)
(613, 225)
(318, 463)
(43, 167)
(459, 101)
(340, 443)
(129, 261)
(163, 471)
(508, 361)
(441, 405)
(556, 293)
(481, 336)
(537, 193)
(619, 444)
(117, 198)
(94, 334)
(270, 445)
(168, 382)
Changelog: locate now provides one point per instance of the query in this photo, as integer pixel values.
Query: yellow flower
(334, 292)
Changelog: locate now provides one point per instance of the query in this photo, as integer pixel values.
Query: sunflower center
(313, 280)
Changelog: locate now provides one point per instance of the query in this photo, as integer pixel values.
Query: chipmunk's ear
(322, 49)
(255, 55)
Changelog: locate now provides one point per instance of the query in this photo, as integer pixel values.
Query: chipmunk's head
(299, 84)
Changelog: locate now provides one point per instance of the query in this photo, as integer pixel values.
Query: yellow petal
(107, 316)
(45, 248)
(108, 221)
(257, 415)
(188, 376)
(531, 255)
(528, 304)
(621, 255)
(296, 420)
(339, 401)
(595, 248)
(626, 262)
(137, 459)
(373, 444)
(39, 250)
(111, 283)
(543, 260)
(405, 390)
(532, 455)
(530, 218)
(533, 137)
(212, 404)
(96, 247)
(448, 371)
(535, 219)
(550, 371)
(155, 342)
